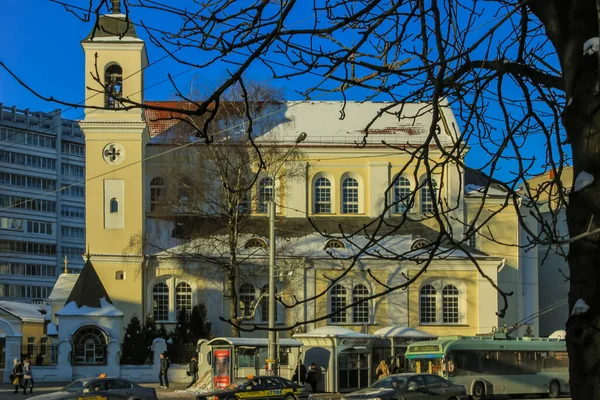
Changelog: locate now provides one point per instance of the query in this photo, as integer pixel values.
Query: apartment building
(42, 201)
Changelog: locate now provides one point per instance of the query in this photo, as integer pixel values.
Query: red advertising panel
(221, 368)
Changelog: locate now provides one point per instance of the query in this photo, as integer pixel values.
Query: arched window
(401, 195)
(350, 196)
(337, 299)
(89, 346)
(160, 302)
(256, 242)
(157, 189)
(427, 200)
(360, 312)
(247, 297)
(264, 304)
(113, 86)
(183, 293)
(450, 305)
(114, 205)
(334, 244)
(265, 194)
(322, 196)
(427, 306)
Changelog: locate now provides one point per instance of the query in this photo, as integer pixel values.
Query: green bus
(495, 364)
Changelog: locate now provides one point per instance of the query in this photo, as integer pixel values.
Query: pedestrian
(382, 370)
(17, 376)
(193, 370)
(299, 373)
(313, 377)
(27, 376)
(164, 371)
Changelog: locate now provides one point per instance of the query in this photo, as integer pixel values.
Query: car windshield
(391, 382)
(239, 383)
(75, 386)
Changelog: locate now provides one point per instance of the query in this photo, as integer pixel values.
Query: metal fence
(40, 354)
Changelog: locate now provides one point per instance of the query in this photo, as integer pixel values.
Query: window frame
(320, 190)
(350, 195)
(157, 310)
(427, 203)
(345, 294)
(266, 192)
(401, 183)
(459, 304)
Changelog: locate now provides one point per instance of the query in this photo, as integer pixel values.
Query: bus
(495, 364)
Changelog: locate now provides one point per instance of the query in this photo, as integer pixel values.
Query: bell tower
(115, 136)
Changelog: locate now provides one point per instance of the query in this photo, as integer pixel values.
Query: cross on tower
(112, 152)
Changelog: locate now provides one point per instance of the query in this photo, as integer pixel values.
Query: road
(176, 391)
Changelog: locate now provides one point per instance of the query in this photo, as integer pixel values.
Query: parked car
(410, 387)
(258, 387)
(101, 388)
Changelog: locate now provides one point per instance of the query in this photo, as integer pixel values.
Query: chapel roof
(88, 290)
(114, 26)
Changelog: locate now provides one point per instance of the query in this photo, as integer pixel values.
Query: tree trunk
(582, 122)
(233, 301)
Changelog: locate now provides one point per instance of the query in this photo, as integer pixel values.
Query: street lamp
(272, 350)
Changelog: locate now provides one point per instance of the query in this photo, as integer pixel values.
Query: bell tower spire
(116, 6)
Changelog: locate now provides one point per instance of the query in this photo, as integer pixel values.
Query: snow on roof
(52, 329)
(63, 286)
(322, 120)
(334, 331)
(255, 342)
(106, 310)
(312, 246)
(398, 331)
(24, 311)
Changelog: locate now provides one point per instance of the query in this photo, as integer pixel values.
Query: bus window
(554, 361)
(527, 362)
(507, 363)
(425, 365)
(463, 362)
(489, 362)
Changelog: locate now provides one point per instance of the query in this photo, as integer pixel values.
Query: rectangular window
(73, 148)
(72, 232)
(72, 190)
(72, 212)
(29, 138)
(27, 203)
(29, 182)
(13, 224)
(38, 227)
(76, 171)
(12, 246)
(27, 160)
(30, 292)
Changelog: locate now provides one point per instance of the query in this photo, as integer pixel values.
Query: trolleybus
(495, 364)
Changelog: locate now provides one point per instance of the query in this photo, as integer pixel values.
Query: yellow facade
(117, 205)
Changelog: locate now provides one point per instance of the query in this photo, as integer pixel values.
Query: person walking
(27, 376)
(193, 370)
(164, 371)
(299, 373)
(382, 370)
(17, 376)
(312, 378)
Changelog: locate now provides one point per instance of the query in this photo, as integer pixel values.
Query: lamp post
(271, 208)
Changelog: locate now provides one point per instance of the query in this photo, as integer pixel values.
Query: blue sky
(41, 43)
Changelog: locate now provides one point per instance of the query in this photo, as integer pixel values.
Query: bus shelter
(343, 355)
(230, 358)
(392, 343)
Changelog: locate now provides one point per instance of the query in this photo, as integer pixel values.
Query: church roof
(63, 287)
(88, 290)
(115, 26)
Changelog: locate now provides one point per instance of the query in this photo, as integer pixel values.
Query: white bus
(495, 365)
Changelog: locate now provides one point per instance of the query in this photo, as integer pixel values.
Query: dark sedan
(101, 389)
(410, 387)
(258, 387)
